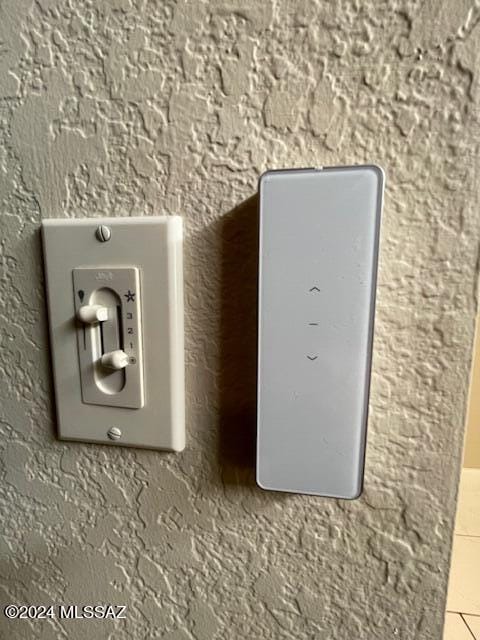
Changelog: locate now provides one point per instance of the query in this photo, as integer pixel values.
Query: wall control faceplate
(115, 300)
(110, 349)
(319, 233)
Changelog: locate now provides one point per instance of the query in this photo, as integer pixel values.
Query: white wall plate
(115, 302)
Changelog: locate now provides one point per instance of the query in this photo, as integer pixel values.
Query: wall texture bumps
(128, 107)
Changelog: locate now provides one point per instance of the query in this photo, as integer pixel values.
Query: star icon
(130, 296)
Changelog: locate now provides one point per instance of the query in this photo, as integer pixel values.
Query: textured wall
(124, 107)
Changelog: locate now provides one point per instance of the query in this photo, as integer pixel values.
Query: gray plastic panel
(319, 232)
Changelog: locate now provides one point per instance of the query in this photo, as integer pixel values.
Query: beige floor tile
(455, 628)
(468, 513)
(464, 588)
(473, 623)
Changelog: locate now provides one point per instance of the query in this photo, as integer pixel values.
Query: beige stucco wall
(133, 107)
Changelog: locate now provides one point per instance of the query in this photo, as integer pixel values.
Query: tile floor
(463, 603)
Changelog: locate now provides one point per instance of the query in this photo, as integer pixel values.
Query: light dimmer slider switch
(92, 313)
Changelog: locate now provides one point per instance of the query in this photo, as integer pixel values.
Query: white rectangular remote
(318, 254)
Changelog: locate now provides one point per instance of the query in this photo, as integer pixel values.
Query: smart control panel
(318, 254)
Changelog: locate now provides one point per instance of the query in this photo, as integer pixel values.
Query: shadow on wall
(238, 343)
(46, 339)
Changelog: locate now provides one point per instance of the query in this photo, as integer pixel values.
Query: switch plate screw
(103, 233)
(114, 433)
